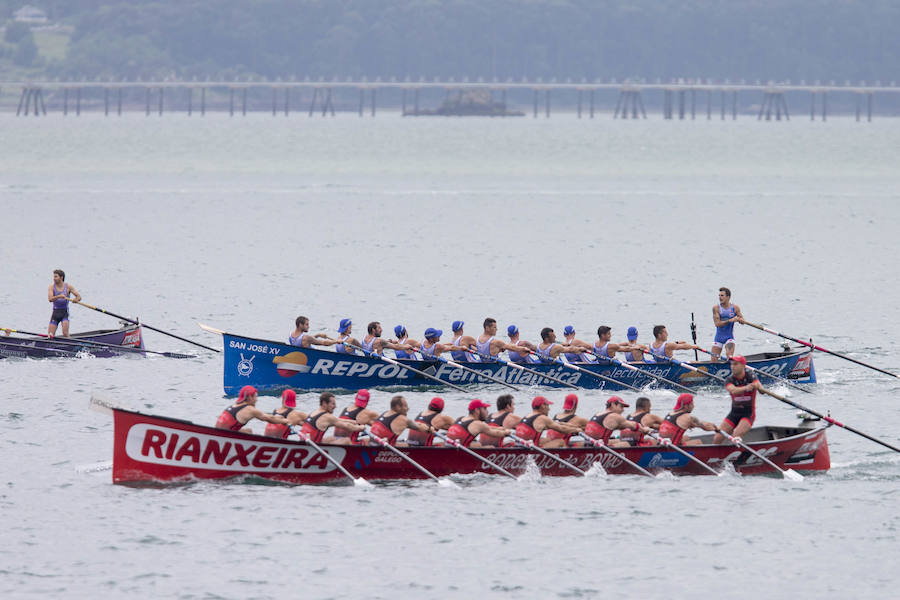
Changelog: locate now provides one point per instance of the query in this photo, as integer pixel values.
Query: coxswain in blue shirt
(300, 336)
(725, 314)
(58, 294)
(489, 344)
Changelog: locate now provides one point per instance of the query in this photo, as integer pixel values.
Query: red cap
(683, 400)
(476, 404)
(538, 402)
(614, 399)
(289, 398)
(247, 390)
(437, 403)
(362, 398)
(570, 402)
(740, 359)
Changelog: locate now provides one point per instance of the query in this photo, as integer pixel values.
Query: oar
(694, 335)
(689, 367)
(533, 446)
(819, 348)
(668, 444)
(618, 362)
(385, 444)
(560, 361)
(828, 419)
(177, 337)
(527, 370)
(602, 446)
(786, 473)
(456, 365)
(761, 373)
(77, 341)
(57, 350)
(358, 481)
(402, 366)
(459, 446)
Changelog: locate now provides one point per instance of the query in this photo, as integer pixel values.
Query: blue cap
(569, 330)
(432, 332)
(457, 325)
(632, 333)
(512, 330)
(399, 330)
(344, 324)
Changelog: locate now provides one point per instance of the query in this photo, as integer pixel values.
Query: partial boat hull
(129, 336)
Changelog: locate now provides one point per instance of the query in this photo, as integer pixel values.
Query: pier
(678, 99)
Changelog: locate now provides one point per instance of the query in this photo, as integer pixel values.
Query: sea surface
(246, 223)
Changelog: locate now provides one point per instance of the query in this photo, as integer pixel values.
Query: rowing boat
(274, 366)
(157, 449)
(100, 343)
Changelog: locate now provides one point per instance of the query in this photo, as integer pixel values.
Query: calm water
(246, 223)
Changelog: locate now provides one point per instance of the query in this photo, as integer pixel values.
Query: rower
(393, 422)
(318, 422)
(463, 341)
(488, 344)
(605, 349)
(465, 429)
(579, 357)
(680, 420)
(432, 416)
(662, 348)
(345, 328)
(431, 347)
(532, 426)
(375, 344)
(357, 413)
(570, 405)
(742, 384)
(637, 350)
(300, 336)
(549, 349)
(513, 333)
(404, 339)
(642, 416)
(603, 424)
(58, 294)
(238, 414)
(289, 412)
(504, 417)
(725, 314)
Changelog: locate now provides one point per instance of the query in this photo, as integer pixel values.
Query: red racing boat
(155, 449)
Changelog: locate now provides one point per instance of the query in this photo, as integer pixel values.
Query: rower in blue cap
(576, 357)
(345, 327)
(403, 338)
(638, 351)
(431, 346)
(489, 345)
(463, 342)
(513, 333)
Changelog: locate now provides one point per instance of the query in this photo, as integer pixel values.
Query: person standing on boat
(375, 344)
(431, 347)
(434, 417)
(345, 328)
(533, 426)
(58, 294)
(466, 429)
(662, 348)
(241, 412)
(404, 339)
(568, 416)
(641, 416)
(300, 337)
(572, 357)
(517, 357)
(358, 413)
(465, 342)
(680, 420)
(603, 424)
(318, 422)
(605, 349)
(393, 422)
(725, 315)
(504, 417)
(289, 412)
(488, 344)
(742, 385)
(549, 349)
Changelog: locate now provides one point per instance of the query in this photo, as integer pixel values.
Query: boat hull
(129, 336)
(153, 449)
(272, 366)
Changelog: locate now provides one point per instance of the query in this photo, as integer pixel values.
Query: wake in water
(97, 467)
(532, 471)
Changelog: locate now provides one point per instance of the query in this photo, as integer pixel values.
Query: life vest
(459, 431)
(669, 428)
(276, 429)
(228, 419)
(525, 429)
(597, 430)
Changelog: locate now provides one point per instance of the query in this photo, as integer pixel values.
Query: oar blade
(446, 483)
(362, 483)
(792, 475)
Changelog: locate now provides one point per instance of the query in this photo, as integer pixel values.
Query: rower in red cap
(289, 412)
(537, 422)
(393, 422)
(467, 428)
(680, 420)
(358, 413)
(570, 405)
(603, 424)
(318, 422)
(238, 414)
(434, 417)
(504, 417)
(742, 384)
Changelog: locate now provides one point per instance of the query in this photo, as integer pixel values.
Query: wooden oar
(358, 481)
(560, 361)
(526, 370)
(761, 373)
(57, 350)
(618, 362)
(668, 444)
(384, 443)
(533, 446)
(402, 366)
(631, 463)
(459, 446)
(786, 473)
(126, 319)
(456, 365)
(78, 341)
(828, 419)
(819, 348)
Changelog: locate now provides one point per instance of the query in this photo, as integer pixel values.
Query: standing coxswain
(725, 314)
(743, 385)
(58, 294)
(241, 412)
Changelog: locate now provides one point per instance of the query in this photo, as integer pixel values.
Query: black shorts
(59, 315)
(737, 414)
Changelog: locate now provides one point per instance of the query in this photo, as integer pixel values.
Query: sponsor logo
(662, 460)
(132, 338)
(387, 457)
(290, 364)
(245, 367)
(147, 443)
